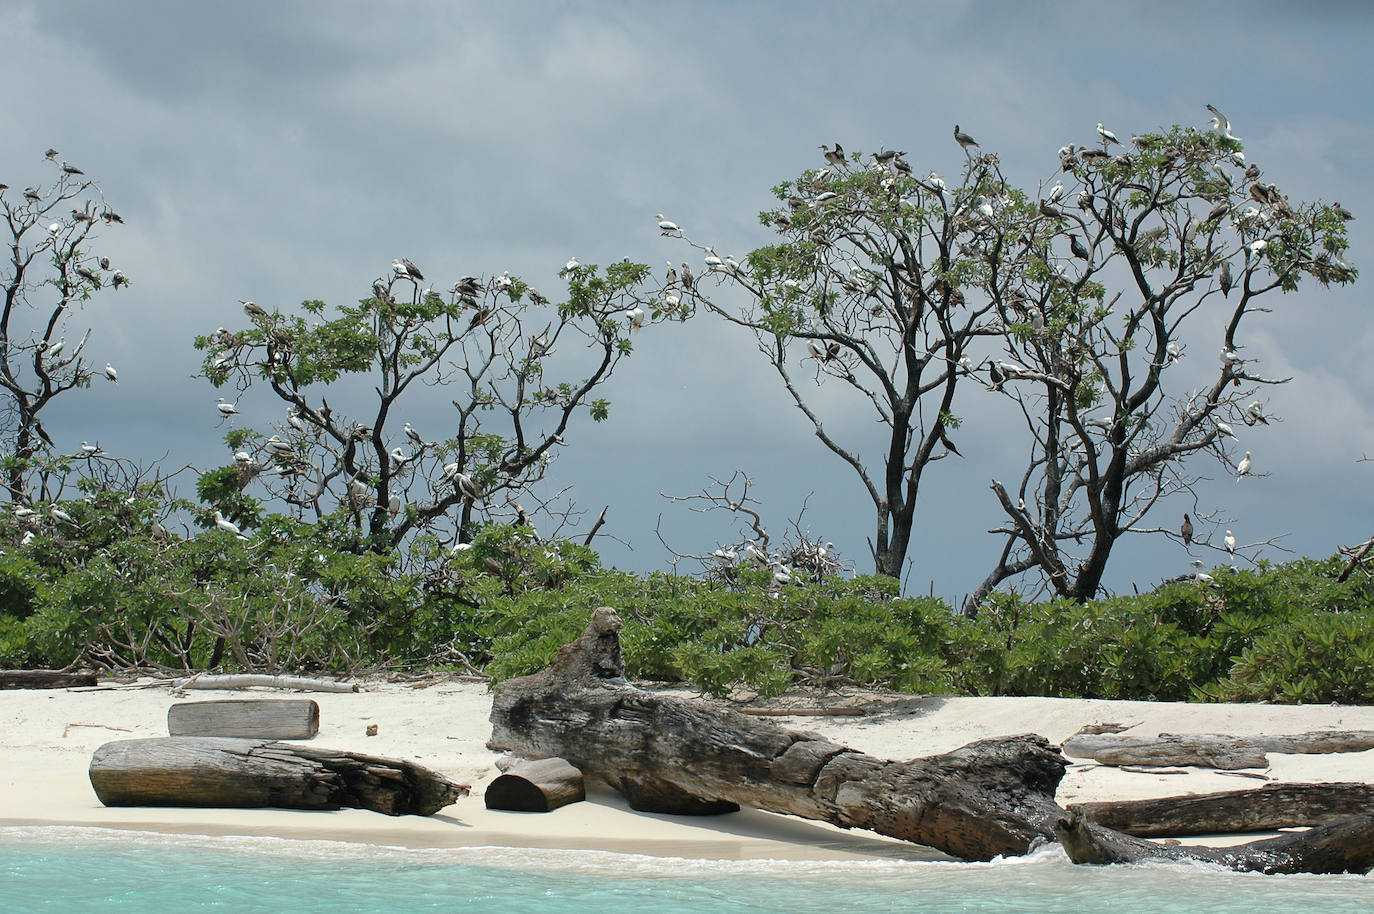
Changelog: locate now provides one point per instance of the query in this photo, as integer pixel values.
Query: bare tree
(51, 271)
(492, 342)
(1124, 264)
(873, 287)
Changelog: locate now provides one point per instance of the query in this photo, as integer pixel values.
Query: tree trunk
(541, 785)
(222, 772)
(1345, 847)
(1267, 808)
(44, 679)
(987, 798)
(258, 718)
(669, 754)
(1209, 750)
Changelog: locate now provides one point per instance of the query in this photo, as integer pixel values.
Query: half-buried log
(257, 718)
(1346, 846)
(987, 798)
(44, 679)
(223, 772)
(539, 785)
(1266, 808)
(1210, 750)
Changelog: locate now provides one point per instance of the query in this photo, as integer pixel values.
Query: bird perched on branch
(1186, 531)
(963, 139)
(1108, 138)
(1243, 468)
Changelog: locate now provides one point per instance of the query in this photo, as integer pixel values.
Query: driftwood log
(1209, 750)
(44, 679)
(257, 718)
(262, 680)
(1346, 846)
(1266, 808)
(538, 785)
(987, 798)
(223, 772)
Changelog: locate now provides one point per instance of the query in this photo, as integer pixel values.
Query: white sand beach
(47, 737)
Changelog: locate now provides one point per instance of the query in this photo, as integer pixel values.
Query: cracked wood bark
(1346, 846)
(667, 754)
(1266, 808)
(224, 772)
(1210, 750)
(987, 798)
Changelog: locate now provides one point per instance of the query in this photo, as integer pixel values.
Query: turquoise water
(81, 870)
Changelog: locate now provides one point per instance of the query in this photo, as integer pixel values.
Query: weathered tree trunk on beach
(669, 754)
(1210, 750)
(538, 785)
(1347, 846)
(224, 772)
(1266, 808)
(254, 718)
(44, 679)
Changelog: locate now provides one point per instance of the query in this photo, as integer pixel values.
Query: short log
(227, 772)
(540, 785)
(257, 718)
(1262, 809)
(44, 679)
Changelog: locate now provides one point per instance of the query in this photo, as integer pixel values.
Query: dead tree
(991, 797)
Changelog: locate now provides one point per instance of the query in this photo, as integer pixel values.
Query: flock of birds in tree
(1273, 203)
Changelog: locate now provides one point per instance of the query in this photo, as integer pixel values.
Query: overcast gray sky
(288, 151)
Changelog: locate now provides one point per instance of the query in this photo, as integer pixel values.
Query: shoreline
(47, 737)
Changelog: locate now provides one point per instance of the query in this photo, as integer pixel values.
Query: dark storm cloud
(289, 151)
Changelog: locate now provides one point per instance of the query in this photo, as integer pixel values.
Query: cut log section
(44, 679)
(224, 772)
(1210, 750)
(256, 718)
(540, 785)
(1346, 846)
(987, 798)
(1262, 809)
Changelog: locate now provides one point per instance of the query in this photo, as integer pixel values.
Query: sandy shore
(47, 737)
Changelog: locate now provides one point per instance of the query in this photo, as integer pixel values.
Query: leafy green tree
(517, 368)
(871, 289)
(1114, 278)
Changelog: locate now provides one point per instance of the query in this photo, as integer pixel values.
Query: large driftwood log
(44, 679)
(223, 772)
(1210, 750)
(256, 718)
(1266, 808)
(1346, 846)
(670, 754)
(539, 785)
(987, 798)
